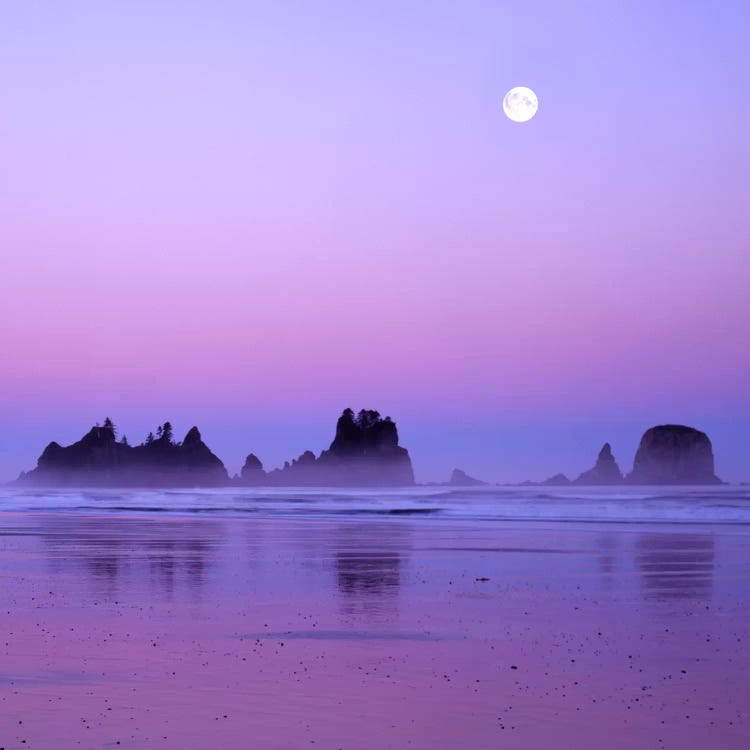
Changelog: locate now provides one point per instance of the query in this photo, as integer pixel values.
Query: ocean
(672, 505)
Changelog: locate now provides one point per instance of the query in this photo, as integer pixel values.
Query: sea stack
(605, 471)
(460, 478)
(674, 454)
(558, 480)
(98, 459)
(196, 461)
(364, 453)
(252, 471)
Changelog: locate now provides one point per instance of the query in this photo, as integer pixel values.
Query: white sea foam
(712, 505)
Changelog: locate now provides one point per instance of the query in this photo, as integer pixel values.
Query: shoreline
(362, 634)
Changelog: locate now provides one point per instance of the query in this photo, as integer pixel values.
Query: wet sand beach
(402, 631)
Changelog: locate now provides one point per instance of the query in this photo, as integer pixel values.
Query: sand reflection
(676, 566)
(130, 553)
(368, 564)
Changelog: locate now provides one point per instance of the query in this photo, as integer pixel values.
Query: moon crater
(520, 104)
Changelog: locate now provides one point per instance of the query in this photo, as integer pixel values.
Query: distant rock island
(364, 452)
(674, 454)
(605, 471)
(99, 459)
(667, 454)
(460, 478)
(558, 480)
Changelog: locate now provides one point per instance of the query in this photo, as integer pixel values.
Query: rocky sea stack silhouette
(674, 454)
(460, 478)
(252, 471)
(558, 480)
(605, 471)
(667, 454)
(98, 459)
(364, 452)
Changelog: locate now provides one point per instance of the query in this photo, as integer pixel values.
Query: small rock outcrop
(252, 471)
(674, 454)
(558, 480)
(98, 459)
(605, 471)
(460, 478)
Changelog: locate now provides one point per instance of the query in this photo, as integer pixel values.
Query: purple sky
(251, 215)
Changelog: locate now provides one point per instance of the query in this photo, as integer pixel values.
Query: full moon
(520, 104)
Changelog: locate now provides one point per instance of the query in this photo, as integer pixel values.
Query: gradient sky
(250, 215)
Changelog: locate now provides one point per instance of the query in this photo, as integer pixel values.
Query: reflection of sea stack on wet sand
(344, 617)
